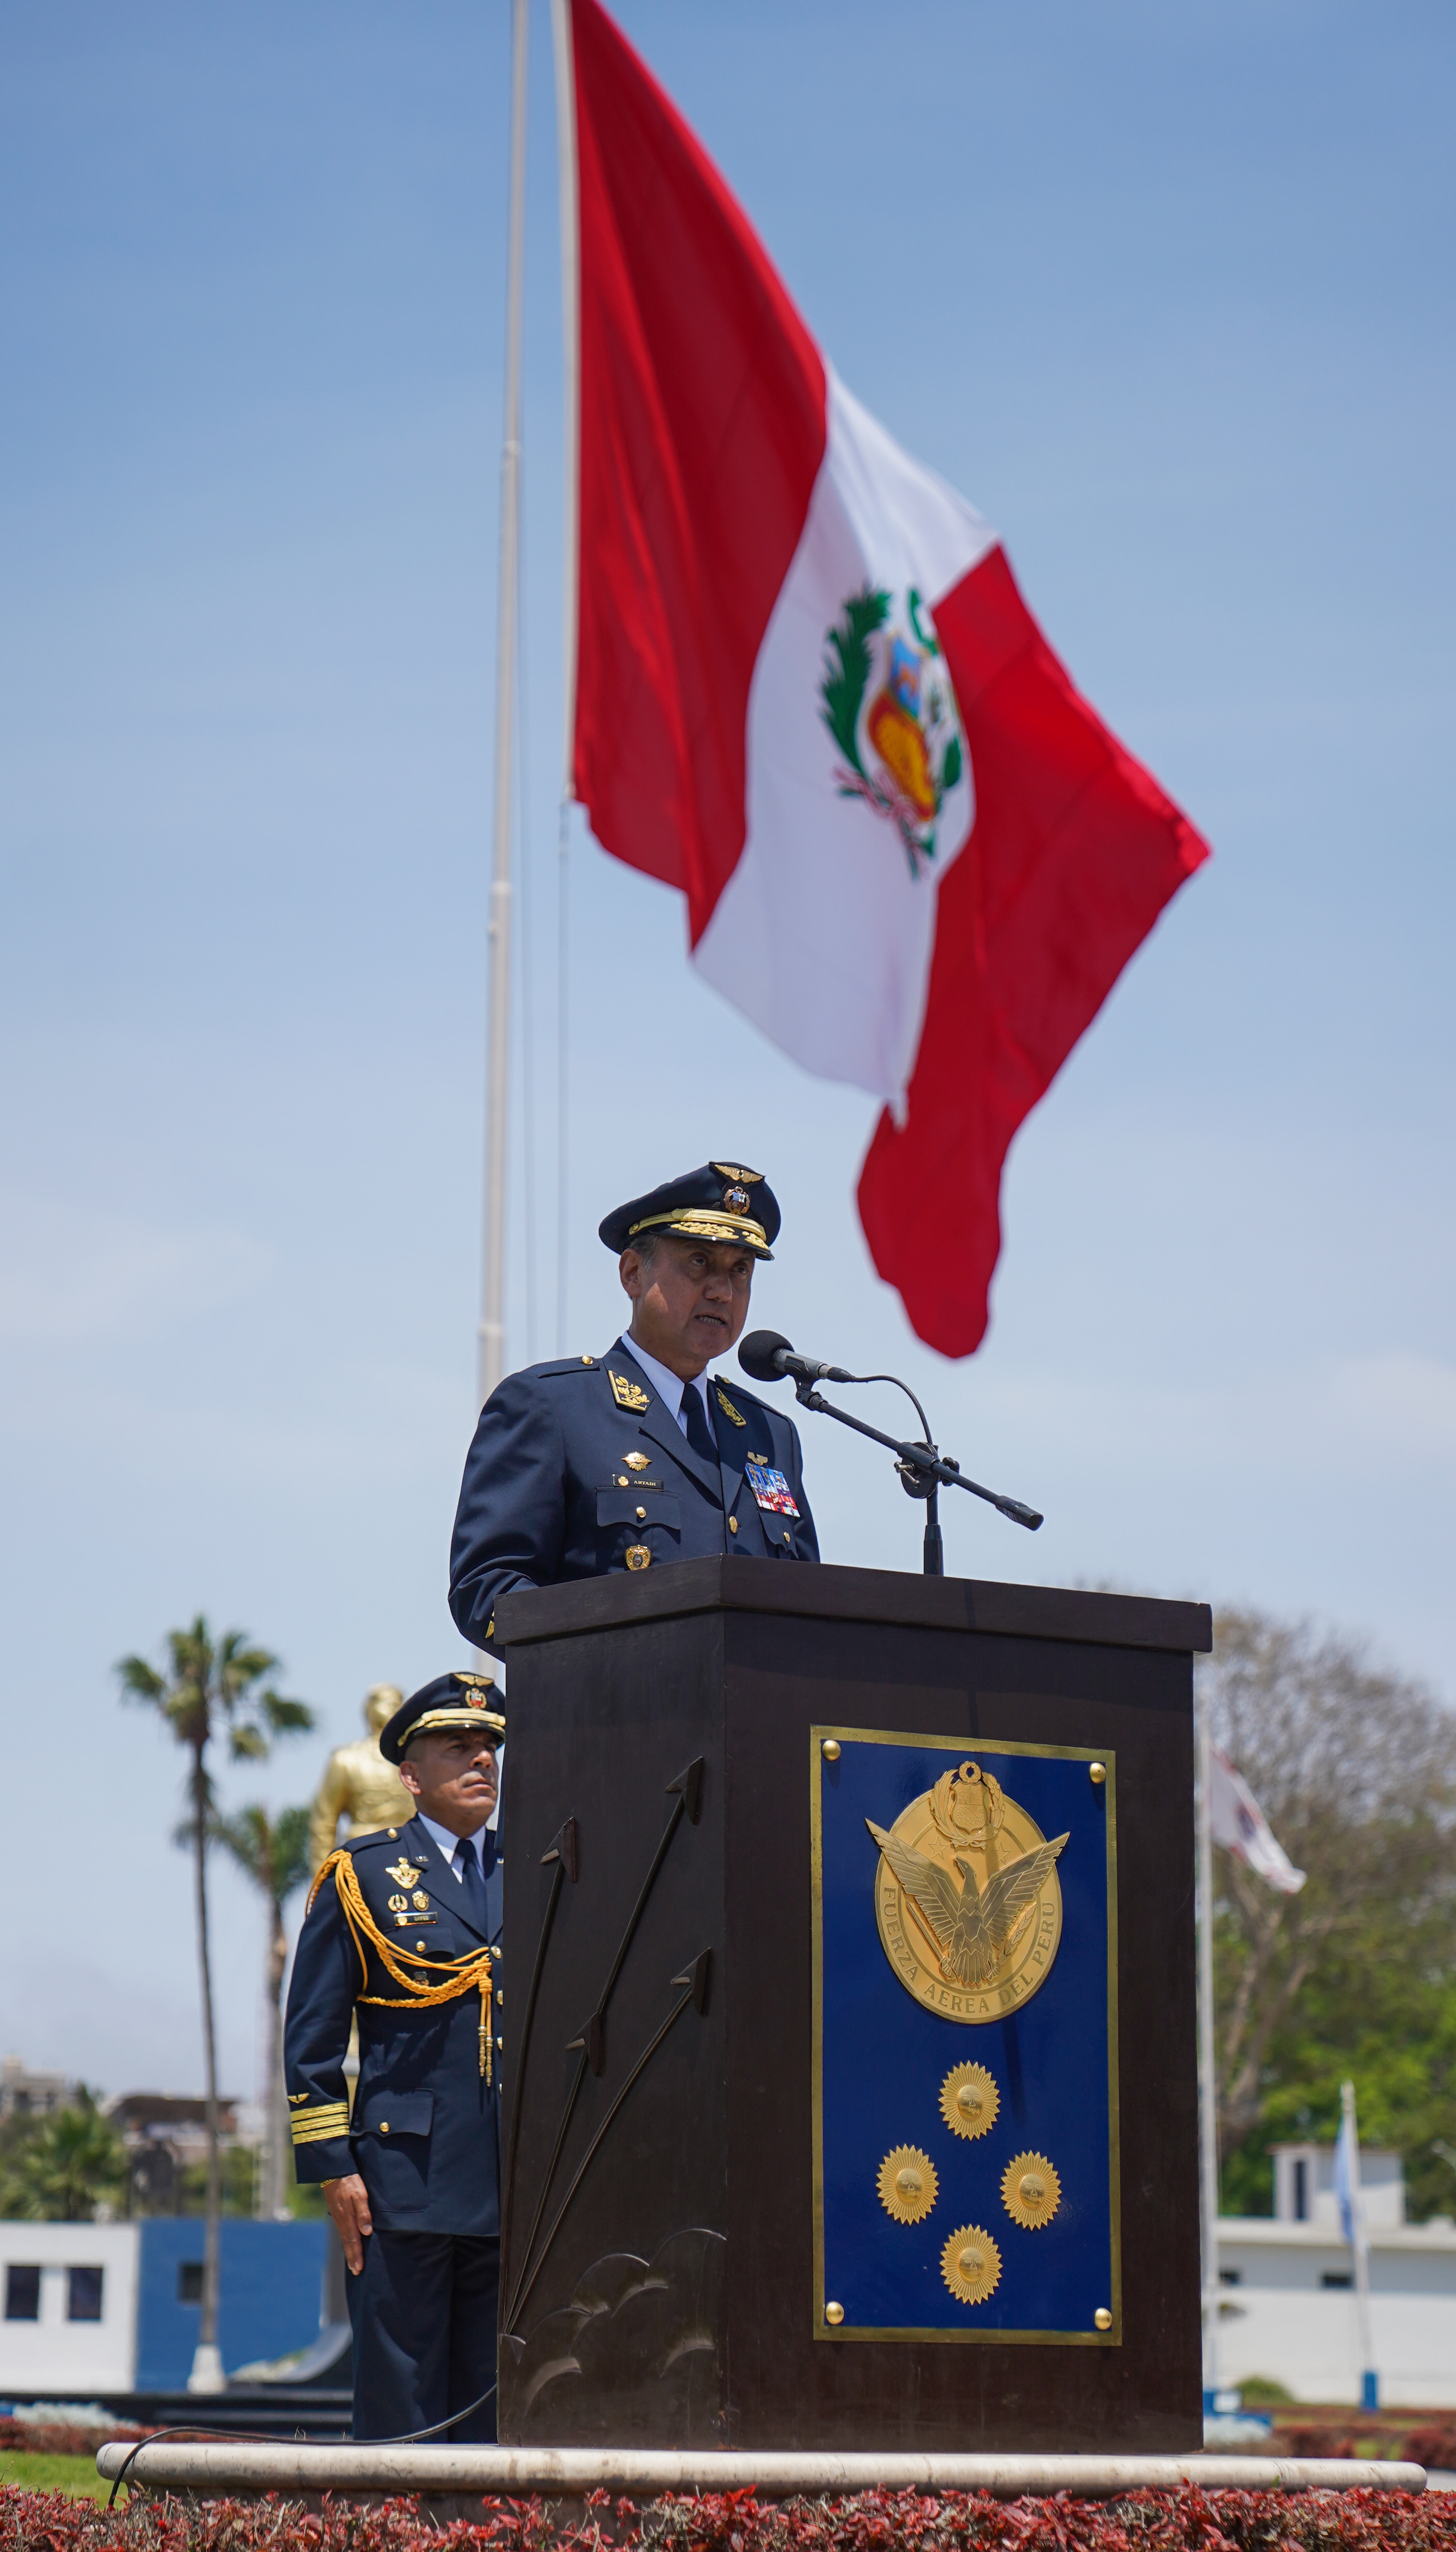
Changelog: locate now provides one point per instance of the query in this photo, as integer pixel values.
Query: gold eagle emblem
(971, 1925)
(967, 1901)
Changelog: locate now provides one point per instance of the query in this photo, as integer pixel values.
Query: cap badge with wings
(966, 1897)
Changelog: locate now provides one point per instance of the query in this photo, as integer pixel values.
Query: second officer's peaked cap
(720, 1201)
(449, 1701)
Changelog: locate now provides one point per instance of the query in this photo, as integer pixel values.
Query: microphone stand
(922, 1470)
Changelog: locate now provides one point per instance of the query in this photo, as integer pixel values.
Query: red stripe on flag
(703, 431)
(1074, 853)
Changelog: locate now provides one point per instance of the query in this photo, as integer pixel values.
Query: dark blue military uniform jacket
(552, 1489)
(425, 2129)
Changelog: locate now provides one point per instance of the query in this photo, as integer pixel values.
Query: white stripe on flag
(823, 933)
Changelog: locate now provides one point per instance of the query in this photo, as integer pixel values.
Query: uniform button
(787, 1536)
(641, 1512)
(623, 1483)
(733, 1524)
(383, 2126)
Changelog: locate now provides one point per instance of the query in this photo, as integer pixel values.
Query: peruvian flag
(807, 692)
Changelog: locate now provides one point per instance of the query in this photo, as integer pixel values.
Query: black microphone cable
(256, 2437)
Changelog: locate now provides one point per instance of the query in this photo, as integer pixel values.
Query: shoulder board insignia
(726, 1404)
(405, 1873)
(297, 2099)
(626, 1393)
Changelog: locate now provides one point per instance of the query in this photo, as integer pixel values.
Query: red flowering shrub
(60, 2436)
(1183, 2520)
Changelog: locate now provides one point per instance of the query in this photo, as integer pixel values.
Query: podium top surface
(730, 1584)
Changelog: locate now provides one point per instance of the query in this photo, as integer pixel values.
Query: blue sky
(1168, 295)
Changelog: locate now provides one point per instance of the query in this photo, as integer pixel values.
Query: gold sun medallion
(909, 2185)
(969, 2102)
(1031, 2191)
(971, 2265)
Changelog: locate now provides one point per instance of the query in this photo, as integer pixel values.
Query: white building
(68, 2295)
(1288, 2288)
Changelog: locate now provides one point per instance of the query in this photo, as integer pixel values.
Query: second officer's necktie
(472, 1879)
(699, 1433)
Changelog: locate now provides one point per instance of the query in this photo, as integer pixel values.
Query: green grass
(76, 2475)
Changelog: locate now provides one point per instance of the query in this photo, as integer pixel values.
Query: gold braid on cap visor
(456, 1977)
(697, 1222)
(459, 1715)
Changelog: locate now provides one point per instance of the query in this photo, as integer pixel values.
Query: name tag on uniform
(769, 1488)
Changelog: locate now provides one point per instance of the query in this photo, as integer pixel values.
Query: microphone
(770, 1358)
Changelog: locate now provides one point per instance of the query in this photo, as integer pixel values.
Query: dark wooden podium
(786, 2165)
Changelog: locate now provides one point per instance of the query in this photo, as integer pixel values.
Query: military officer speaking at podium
(622, 1461)
(404, 1924)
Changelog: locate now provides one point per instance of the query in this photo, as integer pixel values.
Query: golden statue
(358, 1785)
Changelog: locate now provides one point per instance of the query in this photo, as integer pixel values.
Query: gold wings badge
(966, 1898)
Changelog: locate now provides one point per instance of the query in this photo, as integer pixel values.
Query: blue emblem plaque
(924, 1976)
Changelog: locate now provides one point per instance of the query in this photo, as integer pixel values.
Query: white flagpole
(1360, 2246)
(566, 111)
(1207, 2058)
(493, 1290)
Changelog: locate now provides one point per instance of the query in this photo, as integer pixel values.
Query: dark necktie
(699, 1433)
(472, 1880)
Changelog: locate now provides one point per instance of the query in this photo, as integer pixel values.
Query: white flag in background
(1240, 1824)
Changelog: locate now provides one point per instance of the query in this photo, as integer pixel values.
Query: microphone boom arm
(916, 1457)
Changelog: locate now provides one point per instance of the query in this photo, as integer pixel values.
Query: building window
(1302, 2191)
(1230, 2277)
(1336, 2277)
(23, 2294)
(84, 2295)
(189, 2282)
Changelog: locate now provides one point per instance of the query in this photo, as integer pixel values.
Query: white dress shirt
(450, 1845)
(668, 1386)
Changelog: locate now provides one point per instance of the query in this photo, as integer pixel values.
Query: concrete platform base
(452, 2481)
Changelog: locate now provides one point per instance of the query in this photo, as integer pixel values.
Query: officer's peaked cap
(720, 1201)
(449, 1701)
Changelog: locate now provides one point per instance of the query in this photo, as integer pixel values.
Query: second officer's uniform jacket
(579, 1470)
(387, 1934)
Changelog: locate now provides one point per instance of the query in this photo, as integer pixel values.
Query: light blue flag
(1347, 2174)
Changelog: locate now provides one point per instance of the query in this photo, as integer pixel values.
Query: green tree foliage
(1355, 1768)
(59, 2168)
(273, 1851)
(212, 1690)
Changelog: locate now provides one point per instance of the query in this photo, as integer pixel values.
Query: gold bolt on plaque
(834, 2315)
(1031, 2191)
(1102, 2317)
(907, 2184)
(830, 1750)
(969, 2100)
(971, 2265)
(1097, 1772)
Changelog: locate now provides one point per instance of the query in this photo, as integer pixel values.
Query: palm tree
(63, 2165)
(211, 1688)
(274, 1853)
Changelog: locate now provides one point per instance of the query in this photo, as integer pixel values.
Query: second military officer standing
(404, 1928)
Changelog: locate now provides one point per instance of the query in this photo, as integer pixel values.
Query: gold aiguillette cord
(411, 1972)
